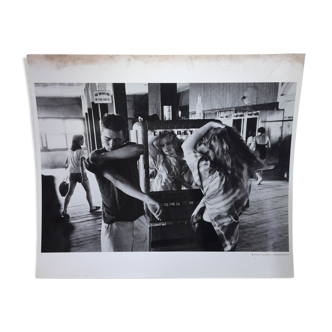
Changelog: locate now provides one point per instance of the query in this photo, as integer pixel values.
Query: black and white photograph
(208, 166)
(166, 167)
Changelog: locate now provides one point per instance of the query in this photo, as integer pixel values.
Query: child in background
(75, 164)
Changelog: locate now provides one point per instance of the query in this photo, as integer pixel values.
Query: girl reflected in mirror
(168, 169)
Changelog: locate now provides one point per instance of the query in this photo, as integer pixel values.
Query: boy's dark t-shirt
(118, 206)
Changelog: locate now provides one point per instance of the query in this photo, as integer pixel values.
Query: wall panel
(226, 95)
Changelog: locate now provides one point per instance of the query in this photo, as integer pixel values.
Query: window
(58, 133)
(246, 123)
(56, 141)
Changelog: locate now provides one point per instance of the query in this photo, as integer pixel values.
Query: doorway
(238, 125)
(251, 127)
(246, 124)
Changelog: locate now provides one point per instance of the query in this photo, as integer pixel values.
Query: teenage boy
(125, 226)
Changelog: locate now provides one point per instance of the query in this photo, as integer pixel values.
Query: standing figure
(168, 169)
(75, 164)
(125, 226)
(221, 164)
(260, 144)
(250, 140)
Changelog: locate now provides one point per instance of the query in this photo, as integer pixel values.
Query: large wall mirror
(168, 169)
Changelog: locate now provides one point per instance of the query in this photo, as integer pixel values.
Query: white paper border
(178, 69)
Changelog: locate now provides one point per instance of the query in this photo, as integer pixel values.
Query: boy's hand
(217, 124)
(89, 166)
(154, 207)
(96, 158)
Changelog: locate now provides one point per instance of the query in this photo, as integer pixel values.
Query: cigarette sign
(102, 96)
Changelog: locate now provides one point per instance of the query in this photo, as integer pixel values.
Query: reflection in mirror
(168, 169)
(136, 101)
(183, 100)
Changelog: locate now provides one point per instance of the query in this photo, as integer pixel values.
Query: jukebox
(173, 232)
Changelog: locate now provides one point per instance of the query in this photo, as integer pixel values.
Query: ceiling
(142, 88)
(182, 86)
(77, 89)
(59, 89)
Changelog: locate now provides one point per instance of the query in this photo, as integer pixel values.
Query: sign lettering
(182, 132)
(102, 96)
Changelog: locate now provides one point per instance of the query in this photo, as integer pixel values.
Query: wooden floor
(263, 228)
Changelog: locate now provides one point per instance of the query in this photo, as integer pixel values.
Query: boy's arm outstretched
(130, 189)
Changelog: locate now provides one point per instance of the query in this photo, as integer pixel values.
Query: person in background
(168, 169)
(250, 140)
(125, 226)
(221, 164)
(75, 164)
(260, 145)
(251, 145)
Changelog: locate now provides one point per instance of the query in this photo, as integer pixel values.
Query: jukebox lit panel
(174, 232)
(177, 205)
(172, 237)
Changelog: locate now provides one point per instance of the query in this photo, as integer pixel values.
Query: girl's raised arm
(190, 143)
(152, 149)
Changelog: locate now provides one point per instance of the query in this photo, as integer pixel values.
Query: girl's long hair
(76, 142)
(229, 154)
(175, 141)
